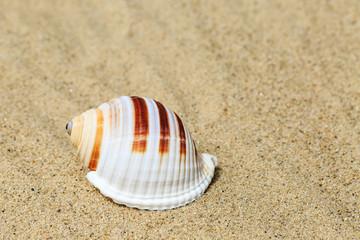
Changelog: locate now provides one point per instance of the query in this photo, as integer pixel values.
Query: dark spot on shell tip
(68, 127)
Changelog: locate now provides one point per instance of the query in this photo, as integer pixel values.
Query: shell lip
(68, 127)
(152, 202)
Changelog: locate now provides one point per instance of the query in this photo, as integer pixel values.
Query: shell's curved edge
(159, 203)
(212, 158)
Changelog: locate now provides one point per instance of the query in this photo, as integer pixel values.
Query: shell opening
(69, 127)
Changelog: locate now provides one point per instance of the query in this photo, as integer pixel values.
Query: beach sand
(272, 88)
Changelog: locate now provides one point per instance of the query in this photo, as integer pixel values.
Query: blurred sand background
(272, 88)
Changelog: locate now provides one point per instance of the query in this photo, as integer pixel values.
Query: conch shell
(141, 154)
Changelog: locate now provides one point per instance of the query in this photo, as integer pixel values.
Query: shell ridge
(83, 139)
(177, 156)
(196, 164)
(192, 160)
(128, 125)
(164, 131)
(193, 168)
(104, 145)
(182, 152)
(156, 157)
(95, 154)
(140, 141)
(145, 161)
(187, 161)
(169, 202)
(88, 138)
(172, 151)
(110, 162)
(102, 148)
(103, 109)
(141, 123)
(126, 144)
(144, 197)
(165, 156)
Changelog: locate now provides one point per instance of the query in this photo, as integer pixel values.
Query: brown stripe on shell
(141, 124)
(182, 142)
(164, 129)
(110, 117)
(196, 163)
(182, 135)
(196, 153)
(98, 138)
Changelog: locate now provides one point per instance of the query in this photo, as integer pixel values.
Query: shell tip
(69, 127)
(211, 158)
(214, 160)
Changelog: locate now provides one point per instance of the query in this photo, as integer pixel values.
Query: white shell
(141, 154)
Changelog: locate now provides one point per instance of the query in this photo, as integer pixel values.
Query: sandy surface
(272, 88)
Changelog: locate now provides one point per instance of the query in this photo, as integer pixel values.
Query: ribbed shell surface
(143, 155)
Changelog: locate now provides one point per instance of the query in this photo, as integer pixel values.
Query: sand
(272, 88)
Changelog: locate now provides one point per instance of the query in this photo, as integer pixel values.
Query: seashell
(141, 154)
